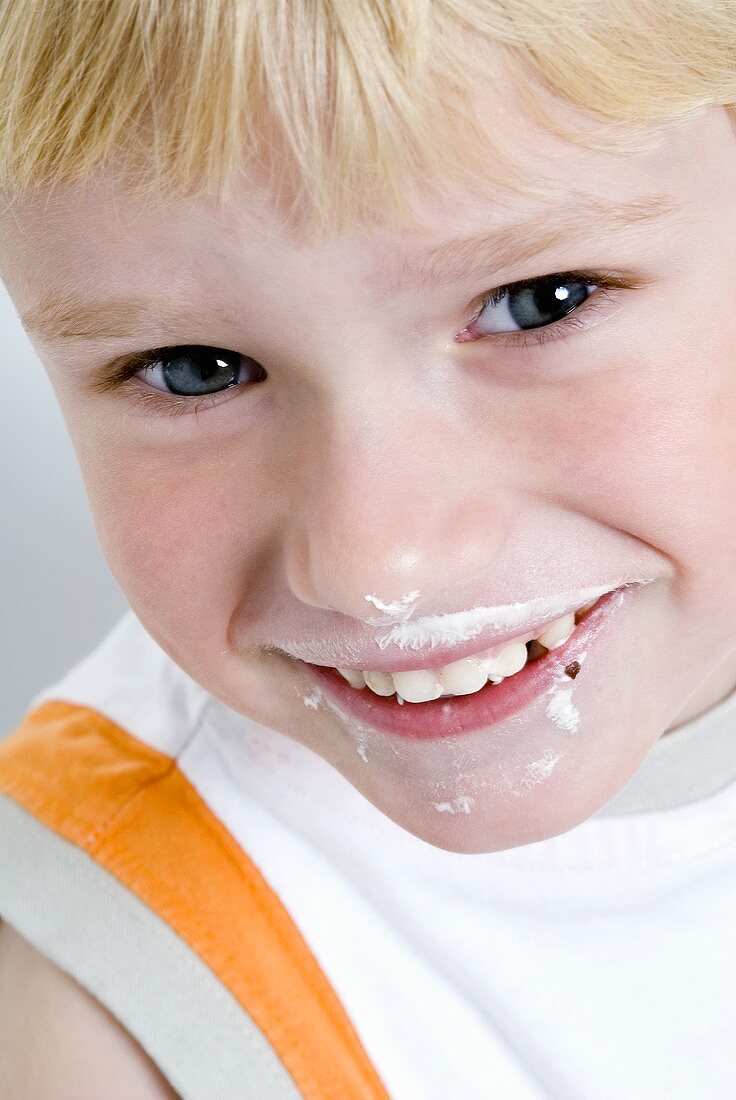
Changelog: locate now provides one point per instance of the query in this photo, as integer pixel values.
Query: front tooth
(353, 676)
(558, 631)
(417, 686)
(465, 676)
(380, 682)
(509, 660)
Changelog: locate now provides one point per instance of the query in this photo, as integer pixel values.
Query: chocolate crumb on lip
(572, 669)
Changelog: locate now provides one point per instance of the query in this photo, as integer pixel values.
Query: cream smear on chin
(560, 709)
(460, 626)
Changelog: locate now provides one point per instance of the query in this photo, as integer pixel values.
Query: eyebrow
(60, 317)
(516, 245)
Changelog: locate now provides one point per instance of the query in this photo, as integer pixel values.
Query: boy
(409, 438)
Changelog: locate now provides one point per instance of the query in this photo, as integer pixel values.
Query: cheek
(650, 449)
(182, 540)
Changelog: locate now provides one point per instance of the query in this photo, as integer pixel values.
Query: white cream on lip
(456, 626)
(460, 626)
(398, 607)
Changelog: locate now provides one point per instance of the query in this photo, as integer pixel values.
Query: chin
(468, 826)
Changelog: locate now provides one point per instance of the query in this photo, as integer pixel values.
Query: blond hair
(347, 100)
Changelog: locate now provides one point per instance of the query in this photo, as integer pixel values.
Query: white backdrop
(57, 596)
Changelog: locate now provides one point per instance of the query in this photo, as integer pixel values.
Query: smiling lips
(470, 674)
(439, 717)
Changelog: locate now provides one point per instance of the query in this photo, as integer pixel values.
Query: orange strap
(132, 809)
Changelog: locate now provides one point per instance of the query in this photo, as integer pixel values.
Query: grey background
(57, 597)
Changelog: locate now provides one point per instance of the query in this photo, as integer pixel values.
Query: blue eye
(197, 371)
(523, 306)
(538, 311)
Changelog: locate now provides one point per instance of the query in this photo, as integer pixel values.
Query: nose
(389, 512)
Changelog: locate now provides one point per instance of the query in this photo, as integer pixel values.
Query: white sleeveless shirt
(596, 965)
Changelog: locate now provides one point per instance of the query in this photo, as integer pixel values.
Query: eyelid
(603, 280)
(112, 375)
(120, 375)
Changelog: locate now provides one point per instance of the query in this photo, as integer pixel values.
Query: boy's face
(380, 462)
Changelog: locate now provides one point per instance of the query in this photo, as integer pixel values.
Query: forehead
(101, 235)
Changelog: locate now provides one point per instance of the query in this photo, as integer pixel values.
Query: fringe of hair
(334, 104)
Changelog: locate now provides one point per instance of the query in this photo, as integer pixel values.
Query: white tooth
(417, 687)
(558, 631)
(509, 660)
(382, 683)
(353, 676)
(465, 676)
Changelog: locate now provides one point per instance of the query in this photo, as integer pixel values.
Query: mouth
(473, 693)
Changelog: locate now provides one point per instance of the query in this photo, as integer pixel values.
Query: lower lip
(450, 715)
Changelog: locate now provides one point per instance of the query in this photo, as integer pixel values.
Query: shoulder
(58, 1041)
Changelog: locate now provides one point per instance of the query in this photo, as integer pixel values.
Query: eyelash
(558, 330)
(122, 374)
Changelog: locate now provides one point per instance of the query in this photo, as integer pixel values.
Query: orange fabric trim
(136, 813)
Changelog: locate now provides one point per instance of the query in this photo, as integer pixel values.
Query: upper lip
(385, 653)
